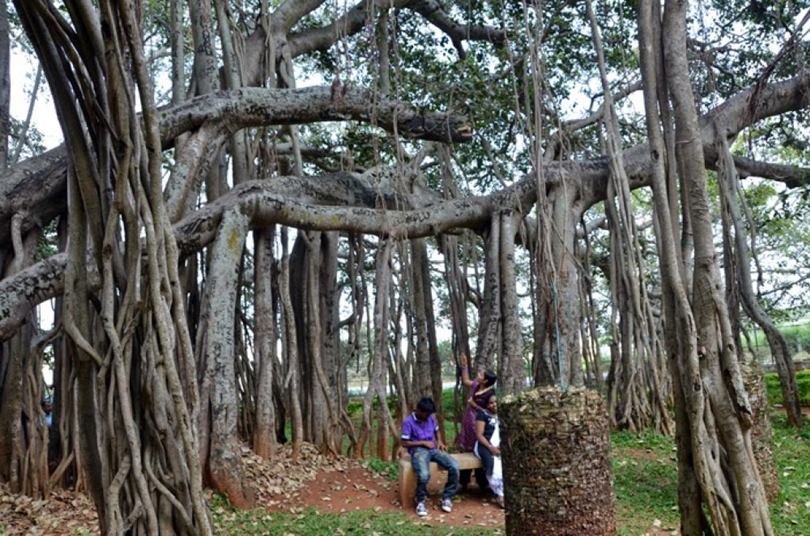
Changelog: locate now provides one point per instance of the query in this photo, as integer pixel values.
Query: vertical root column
(499, 333)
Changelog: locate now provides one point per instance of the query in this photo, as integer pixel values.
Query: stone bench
(407, 476)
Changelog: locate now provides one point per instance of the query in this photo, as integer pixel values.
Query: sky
(23, 71)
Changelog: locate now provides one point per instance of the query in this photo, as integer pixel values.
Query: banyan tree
(257, 202)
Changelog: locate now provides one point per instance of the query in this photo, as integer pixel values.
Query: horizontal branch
(351, 22)
(292, 11)
(253, 107)
(36, 187)
(288, 200)
(791, 176)
(22, 292)
(357, 17)
(306, 205)
(735, 114)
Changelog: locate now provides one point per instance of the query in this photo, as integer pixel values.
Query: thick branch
(252, 107)
(28, 288)
(350, 23)
(266, 205)
(291, 11)
(36, 187)
(355, 18)
(791, 176)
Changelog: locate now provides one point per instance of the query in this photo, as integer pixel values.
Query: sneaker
(447, 505)
(421, 510)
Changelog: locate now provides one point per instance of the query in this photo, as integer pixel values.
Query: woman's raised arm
(465, 370)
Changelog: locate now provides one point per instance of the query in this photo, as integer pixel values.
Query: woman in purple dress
(480, 389)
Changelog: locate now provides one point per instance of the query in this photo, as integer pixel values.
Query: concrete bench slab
(438, 476)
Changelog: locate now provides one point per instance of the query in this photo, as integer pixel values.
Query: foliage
(48, 242)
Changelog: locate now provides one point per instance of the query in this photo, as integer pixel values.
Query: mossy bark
(556, 463)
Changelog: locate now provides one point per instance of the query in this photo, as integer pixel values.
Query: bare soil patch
(357, 488)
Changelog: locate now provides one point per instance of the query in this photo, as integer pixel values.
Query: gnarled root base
(555, 463)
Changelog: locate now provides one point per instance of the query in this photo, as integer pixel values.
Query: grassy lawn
(775, 391)
(312, 523)
(645, 479)
(790, 511)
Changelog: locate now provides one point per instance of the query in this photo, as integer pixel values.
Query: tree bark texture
(552, 488)
(126, 356)
(780, 353)
(264, 431)
(219, 404)
(715, 408)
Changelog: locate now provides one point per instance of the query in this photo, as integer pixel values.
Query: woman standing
(480, 389)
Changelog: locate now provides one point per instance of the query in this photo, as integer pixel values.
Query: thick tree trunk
(761, 432)
(489, 318)
(423, 383)
(557, 357)
(219, 405)
(679, 323)
(290, 344)
(134, 394)
(318, 396)
(511, 370)
(5, 85)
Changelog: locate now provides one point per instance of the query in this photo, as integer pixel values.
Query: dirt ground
(357, 488)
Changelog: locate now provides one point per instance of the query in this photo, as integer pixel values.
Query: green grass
(790, 512)
(311, 523)
(389, 470)
(645, 481)
(775, 391)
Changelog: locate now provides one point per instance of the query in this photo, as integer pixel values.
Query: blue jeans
(420, 460)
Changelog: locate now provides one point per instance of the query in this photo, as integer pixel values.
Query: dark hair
(489, 396)
(490, 377)
(426, 404)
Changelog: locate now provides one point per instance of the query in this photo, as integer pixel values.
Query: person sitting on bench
(487, 430)
(420, 435)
